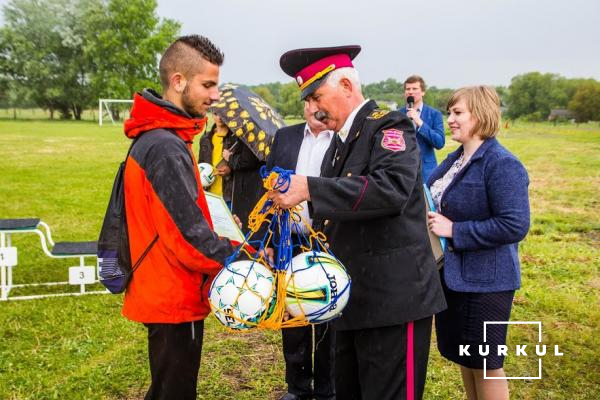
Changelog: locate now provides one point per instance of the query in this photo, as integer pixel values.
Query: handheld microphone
(410, 101)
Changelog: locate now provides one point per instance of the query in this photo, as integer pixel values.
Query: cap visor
(312, 87)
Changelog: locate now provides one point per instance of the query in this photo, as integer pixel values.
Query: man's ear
(178, 82)
(347, 85)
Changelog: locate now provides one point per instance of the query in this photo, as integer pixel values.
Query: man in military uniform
(370, 199)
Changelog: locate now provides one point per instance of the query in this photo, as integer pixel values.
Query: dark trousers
(298, 354)
(174, 351)
(388, 363)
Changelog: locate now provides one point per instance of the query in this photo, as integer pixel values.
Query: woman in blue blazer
(480, 191)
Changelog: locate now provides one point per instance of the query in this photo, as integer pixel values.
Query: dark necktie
(330, 156)
(338, 148)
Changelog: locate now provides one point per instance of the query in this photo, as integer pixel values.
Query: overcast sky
(451, 43)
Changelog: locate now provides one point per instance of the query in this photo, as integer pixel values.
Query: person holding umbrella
(252, 124)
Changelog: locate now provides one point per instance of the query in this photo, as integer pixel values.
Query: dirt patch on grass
(520, 300)
(567, 326)
(595, 283)
(593, 237)
(533, 260)
(248, 351)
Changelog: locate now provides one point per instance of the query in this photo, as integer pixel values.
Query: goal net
(113, 110)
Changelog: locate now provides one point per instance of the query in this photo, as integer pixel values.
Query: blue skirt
(462, 324)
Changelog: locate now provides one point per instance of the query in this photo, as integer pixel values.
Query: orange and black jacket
(164, 198)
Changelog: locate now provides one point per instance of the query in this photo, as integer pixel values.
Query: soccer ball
(241, 293)
(206, 174)
(317, 287)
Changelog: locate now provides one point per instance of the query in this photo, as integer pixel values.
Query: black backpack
(114, 257)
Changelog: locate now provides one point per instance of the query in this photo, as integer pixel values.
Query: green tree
(272, 91)
(533, 95)
(68, 53)
(586, 101)
(290, 103)
(437, 98)
(41, 50)
(502, 93)
(124, 41)
(388, 90)
(14, 96)
(265, 93)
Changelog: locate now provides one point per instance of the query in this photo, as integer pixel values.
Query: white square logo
(538, 323)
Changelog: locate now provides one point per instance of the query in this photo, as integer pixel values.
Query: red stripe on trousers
(410, 362)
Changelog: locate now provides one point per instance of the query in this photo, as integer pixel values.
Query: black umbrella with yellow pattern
(249, 117)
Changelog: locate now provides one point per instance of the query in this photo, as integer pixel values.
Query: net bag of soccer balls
(251, 291)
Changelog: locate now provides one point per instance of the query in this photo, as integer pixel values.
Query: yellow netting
(262, 215)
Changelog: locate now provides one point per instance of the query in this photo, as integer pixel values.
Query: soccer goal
(112, 109)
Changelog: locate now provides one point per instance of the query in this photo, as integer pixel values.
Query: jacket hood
(151, 111)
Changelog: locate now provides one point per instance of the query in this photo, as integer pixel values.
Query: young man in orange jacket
(168, 217)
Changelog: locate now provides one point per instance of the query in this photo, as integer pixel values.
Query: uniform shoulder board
(377, 113)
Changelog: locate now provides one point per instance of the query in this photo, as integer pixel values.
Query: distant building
(561, 114)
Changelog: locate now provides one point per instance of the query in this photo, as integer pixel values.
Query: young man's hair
(415, 79)
(483, 103)
(186, 56)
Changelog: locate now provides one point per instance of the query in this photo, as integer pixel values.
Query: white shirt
(310, 158)
(417, 107)
(343, 133)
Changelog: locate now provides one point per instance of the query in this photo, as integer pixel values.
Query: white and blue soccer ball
(207, 176)
(317, 287)
(241, 293)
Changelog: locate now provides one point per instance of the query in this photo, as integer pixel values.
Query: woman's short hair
(484, 105)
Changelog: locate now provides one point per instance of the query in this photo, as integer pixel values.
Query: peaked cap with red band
(310, 67)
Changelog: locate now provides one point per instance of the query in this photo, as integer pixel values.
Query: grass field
(81, 348)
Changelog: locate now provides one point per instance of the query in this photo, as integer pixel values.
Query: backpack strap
(139, 261)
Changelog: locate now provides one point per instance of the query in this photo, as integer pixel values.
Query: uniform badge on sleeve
(393, 140)
(377, 113)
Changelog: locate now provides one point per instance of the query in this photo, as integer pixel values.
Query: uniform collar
(343, 133)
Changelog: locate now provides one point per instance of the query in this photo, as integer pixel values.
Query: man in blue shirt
(428, 122)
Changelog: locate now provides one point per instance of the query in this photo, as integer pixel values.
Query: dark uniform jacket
(371, 204)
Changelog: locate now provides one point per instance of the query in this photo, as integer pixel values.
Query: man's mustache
(321, 116)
